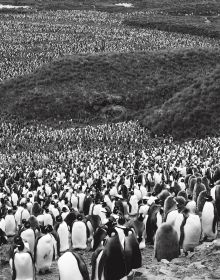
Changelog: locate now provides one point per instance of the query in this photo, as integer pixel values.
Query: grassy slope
(192, 112)
(114, 86)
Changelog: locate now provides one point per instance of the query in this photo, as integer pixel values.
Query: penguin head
(27, 225)
(140, 217)
(19, 243)
(49, 228)
(79, 217)
(59, 219)
(208, 198)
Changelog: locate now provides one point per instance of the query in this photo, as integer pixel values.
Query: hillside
(112, 87)
(194, 111)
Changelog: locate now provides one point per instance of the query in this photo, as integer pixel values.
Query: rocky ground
(201, 264)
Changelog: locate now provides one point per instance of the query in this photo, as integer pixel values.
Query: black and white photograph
(109, 139)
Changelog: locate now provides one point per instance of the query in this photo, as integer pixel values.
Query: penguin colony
(114, 216)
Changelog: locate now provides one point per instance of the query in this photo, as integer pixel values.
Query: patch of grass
(193, 25)
(102, 87)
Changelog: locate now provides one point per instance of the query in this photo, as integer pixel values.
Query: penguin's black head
(141, 217)
(59, 219)
(19, 243)
(79, 217)
(121, 220)
(27, 224)
(208, 198)
(49, 228)
(111, 231)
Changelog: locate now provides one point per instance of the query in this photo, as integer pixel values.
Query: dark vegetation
(190, 24)
(168, 91)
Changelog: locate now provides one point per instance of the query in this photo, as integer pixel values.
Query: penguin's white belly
(192, 233)
(79, 236)
(177, 224)
(68, 267)
(44, 253)
(207, 221)
(63, 233)
(171, 217)
(29, 237)
(10, 226)
(23, 266)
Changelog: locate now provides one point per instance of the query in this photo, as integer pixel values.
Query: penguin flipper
(93, 261)
(215, 220)
(82, 266)
(101, 265)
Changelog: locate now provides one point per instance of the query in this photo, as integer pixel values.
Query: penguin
(163, 195)
(21, 263)
(112, 264)
(79, 234)
(198, 188)
(183, 194)
(34, 225)
(132, 251)
(28, 235)
(154, 221)
(70, 218)
(192, 182)
(209, 220)
(10, 224)
(170, 210)
(217, 198)
(120, 227)
(139, 227)
(62, 230)
(190, 231)
(43, 251)
(201, 200)
(166, 243)
(72, 266)
(99, 237)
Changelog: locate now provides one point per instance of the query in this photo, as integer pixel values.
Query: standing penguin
(190, 231)
(140, 230)
(62, 230)
(217, 198)
(10, 224)
(209, 220)
(112, 264)
(71, 266)
(166, 243)
(28, 235)
(44, 250)
(21, 263)
(79, 234)
(132, 251)
(154, 221)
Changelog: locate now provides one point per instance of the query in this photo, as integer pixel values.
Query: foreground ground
(202, 264)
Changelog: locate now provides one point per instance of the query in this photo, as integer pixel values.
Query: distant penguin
(79, 234)
(112, 264)
(183, 194)
(190, 232)
(192, 182)
(132, 251)
(62, 230)
(198, 188)
(201, 200)
(28, 236)
(44, 251)
(166, 243)
(71, 266)
(21, 263)
(209, 220)
(10, 224)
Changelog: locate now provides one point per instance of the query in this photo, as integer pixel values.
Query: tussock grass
(117, 86)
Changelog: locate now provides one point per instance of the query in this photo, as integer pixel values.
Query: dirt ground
(201, 264)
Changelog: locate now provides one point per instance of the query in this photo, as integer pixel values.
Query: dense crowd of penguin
(113, 218)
